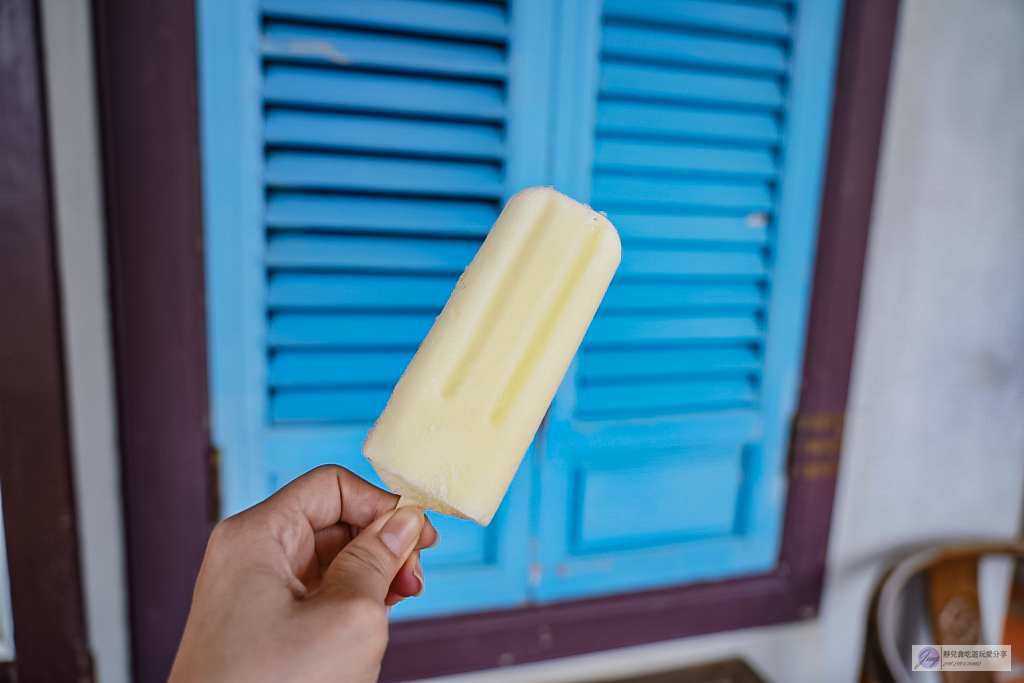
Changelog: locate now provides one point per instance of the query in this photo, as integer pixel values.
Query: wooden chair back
(949, 575)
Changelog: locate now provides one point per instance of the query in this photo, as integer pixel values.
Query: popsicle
(464, 413)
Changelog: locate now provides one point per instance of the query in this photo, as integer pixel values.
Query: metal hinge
(791, 445)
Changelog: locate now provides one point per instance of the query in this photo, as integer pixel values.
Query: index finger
(331, 494)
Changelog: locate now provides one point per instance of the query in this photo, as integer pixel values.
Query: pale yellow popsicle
(461, 418)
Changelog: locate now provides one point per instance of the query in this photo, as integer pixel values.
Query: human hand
(299, 586)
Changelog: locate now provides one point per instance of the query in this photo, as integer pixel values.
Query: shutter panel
(385, 163)
(663, 453)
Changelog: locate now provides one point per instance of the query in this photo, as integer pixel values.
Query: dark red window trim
(150, 137)
(149, 125)
(35, 456)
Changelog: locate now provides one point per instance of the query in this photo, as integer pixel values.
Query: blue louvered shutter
(663, 454)
(383, 130)
(385, 142)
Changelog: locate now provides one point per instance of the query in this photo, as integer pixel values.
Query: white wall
(934, 444)
(74, 149)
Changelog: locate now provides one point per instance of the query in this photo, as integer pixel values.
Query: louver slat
(382, 134)
(357, 291)
(348, 330)
(482, 21)
(326, 369)
(386, 93)
(659, 121)
(370, 253)
(611, 330)
(360, 49)
(664, 158)
(663, 262)
(616, 401)
(379, 174)
(626, 296)
(613, 191)
(327, 405)
(672, 47)
(757, 20)
(291, 210)
(659, 364)
(688, 228)
(666, 83)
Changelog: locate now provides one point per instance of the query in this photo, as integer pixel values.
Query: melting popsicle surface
(464, 413)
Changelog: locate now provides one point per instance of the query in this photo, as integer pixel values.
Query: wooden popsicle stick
(405, 500)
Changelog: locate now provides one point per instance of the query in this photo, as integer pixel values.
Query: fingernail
(417, 571)
(437, 539)
(402, 530)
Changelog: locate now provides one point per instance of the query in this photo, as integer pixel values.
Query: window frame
(447, 645)
(42, 564)
(145, 55)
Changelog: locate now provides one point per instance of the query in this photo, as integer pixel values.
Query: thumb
(368, 564)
